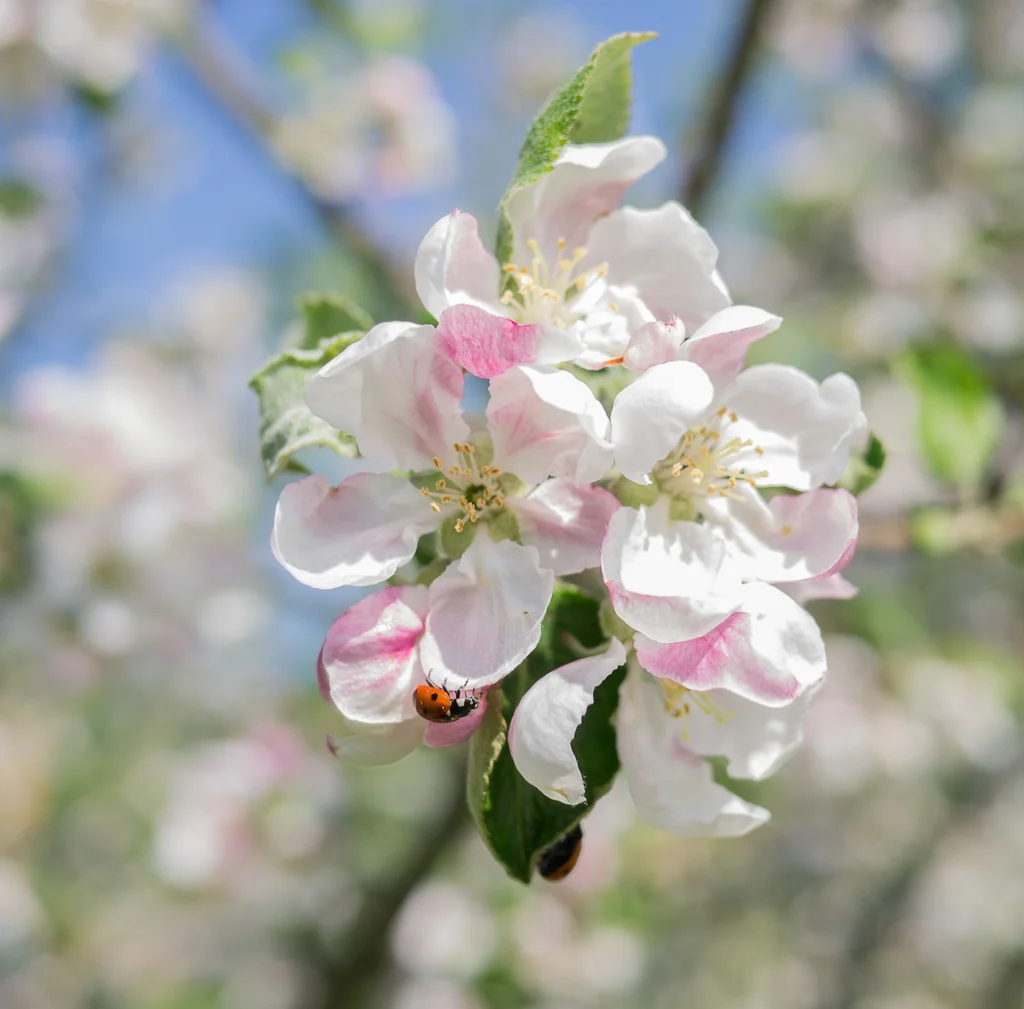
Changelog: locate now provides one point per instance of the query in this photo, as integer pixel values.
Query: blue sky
(217, 199)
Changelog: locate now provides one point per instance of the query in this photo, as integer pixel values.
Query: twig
(704, 166)
(349, 970)
(224, 78)
(971, 793)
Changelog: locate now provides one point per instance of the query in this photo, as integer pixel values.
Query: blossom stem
(723, 108)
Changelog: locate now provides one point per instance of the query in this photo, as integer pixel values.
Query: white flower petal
(654, 343)
(587, 181)
(755, 740)
(791, 538)
(397, 392)
(565, 523)
(769, 651)
(720, 345)
(454, 268)
(546, 422)
(663, 256)
(485, 613)
(827, 586)
(668, 580)
(488, 345)
(671, 787)
(546, 719)
(358, 533)
(369, 664)
(605, 329)
(805, 431)
(364, 744)
(651, 415)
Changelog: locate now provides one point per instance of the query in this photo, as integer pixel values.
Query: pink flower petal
(546, 422)
(720, 345)
(587, 181)
(369, 664)
(397, 392)
(454, 268)
(654, 343)
(791, 538)
(358, 533)
(770, 651)
(565, 523)
(487, 345)
(440, 735)
(485, 613)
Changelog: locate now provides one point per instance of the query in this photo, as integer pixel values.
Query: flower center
(544, 294)
(680, 702)
(704, 462)
(467, 490)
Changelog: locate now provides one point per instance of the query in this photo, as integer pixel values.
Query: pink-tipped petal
(485, 613)
(440, 735)
(720, 345)
(791, 538)
(545, 422)
(671, 786)
(358, 533)
(487, 345)
(454, 268)
(654, 343)
(587, 181)
(400, 399)
(833, 586)
(769, 651)
(369, 664)
(651, 415)
(668, 580)
(546, 719)
(566, 524)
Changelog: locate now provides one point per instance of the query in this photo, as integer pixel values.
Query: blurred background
(173, 831)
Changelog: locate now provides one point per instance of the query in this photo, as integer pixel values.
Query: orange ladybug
(560, 859)
(435, 704)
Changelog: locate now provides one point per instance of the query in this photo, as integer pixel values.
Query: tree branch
(228, 82)
(723, 108)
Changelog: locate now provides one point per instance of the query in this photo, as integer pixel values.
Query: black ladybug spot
(433, 696)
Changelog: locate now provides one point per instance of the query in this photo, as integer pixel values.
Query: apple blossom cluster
(702, 497)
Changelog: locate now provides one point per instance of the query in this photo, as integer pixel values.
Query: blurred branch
(351, 967)
(970, 792)
(225, 79)
(723, 107)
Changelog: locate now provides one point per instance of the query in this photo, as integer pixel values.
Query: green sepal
(592, 106)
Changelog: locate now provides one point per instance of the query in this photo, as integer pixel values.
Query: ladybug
(435, 704)
(560, 859)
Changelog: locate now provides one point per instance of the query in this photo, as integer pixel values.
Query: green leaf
(960, 420)
(864, 468)
(286, 424)
(327, 315)
(516, 820)
(593, 105)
